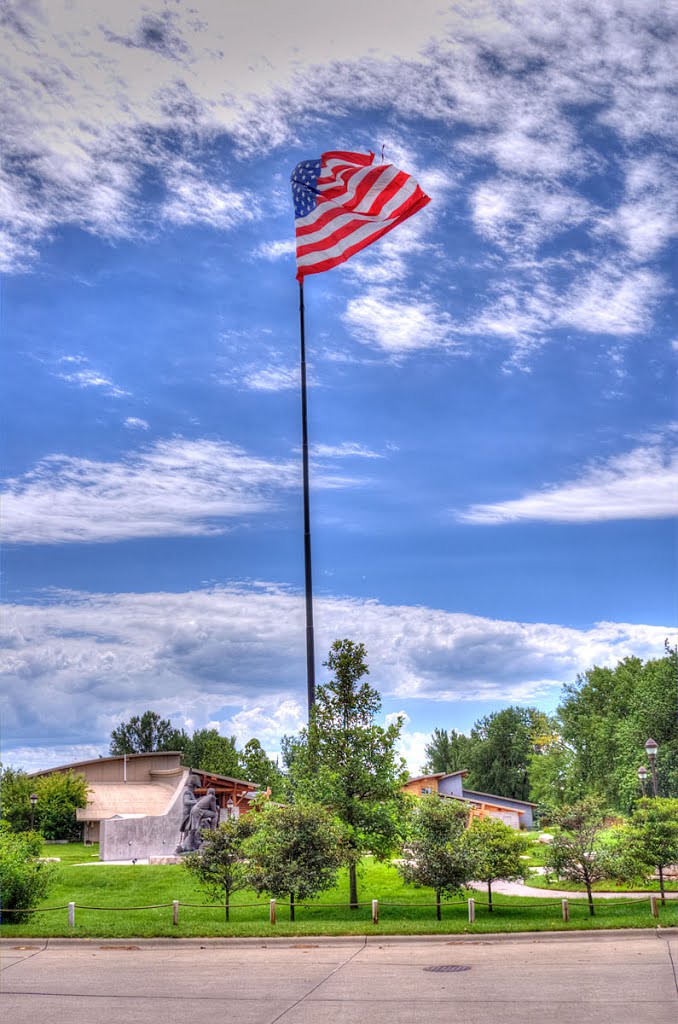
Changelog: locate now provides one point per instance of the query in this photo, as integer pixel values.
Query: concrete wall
(150, 836)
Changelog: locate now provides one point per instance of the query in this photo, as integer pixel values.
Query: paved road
(620, 978)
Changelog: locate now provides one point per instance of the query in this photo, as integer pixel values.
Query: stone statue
(203, 813)
(188, 801)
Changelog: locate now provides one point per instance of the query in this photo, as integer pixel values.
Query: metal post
(653, 769)
(175, 912)
(71, 915)
(308, 576)
(375, 911)
(272, 911)
(471, 910)
(566, 910)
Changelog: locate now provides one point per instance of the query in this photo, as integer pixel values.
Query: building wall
(526, 819)
(417, 786)
(451, 785)
(151, 836)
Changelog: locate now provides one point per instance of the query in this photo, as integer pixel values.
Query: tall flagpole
(310, 645)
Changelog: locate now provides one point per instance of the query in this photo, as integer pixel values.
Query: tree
(503, 743)
(576, 852)
(15, 805)
(220, 865)
(145, 734)
(495, 850)
(59, 796)
(435, 854)
(651, 836)
(448, 752)
(259, 768)
(211, 752)
(296, 851)
(24, 880)
(347, 763)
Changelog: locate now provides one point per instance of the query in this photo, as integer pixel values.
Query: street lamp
(229, 808)
(34, 799)
(642, 777)
(651, 748)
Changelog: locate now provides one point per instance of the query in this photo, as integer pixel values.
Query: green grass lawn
(101, 886)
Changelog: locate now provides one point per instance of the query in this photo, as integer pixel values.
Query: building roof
(500, 799)
(98, 760)
(438, 775)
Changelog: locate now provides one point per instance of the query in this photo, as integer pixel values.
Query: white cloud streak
(640, 484)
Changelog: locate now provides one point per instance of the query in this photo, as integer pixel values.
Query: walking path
(518, 889)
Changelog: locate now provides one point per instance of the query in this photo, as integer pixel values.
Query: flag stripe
(344, 203)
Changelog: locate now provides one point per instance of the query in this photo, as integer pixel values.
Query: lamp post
(651, 748)
(34, 799)
(229, 808)
(642, 777)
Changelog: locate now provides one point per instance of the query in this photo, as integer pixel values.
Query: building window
(425, 790)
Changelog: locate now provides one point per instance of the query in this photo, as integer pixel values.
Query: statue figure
(204, 813)
(188, 799)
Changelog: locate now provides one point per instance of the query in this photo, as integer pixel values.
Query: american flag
(343, 203)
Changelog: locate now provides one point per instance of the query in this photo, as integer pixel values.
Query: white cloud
(640, 484)
(611, 300)
(345, 450)
(135, 423)
(647, 218)
(268, 378)
(235, 655)
(85, 377)
(515, 214)
(276, 250)
(398, 325)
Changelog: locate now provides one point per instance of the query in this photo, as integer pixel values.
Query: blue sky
(492, 402)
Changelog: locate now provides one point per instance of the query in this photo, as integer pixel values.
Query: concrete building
(134, 804)
(516, 813)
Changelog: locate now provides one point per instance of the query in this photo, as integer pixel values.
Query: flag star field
(492, 406)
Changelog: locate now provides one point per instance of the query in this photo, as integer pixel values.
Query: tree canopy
(144, 734)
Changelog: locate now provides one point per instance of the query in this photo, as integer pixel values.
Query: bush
(24, 880)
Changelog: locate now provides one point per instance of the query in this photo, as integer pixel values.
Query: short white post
(375, 911)
(272, 911)
(71, 915)
(175, 912)
(471, 910)
(566, 910)
(653, 906)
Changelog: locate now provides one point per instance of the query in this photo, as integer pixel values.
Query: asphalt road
(625, 978)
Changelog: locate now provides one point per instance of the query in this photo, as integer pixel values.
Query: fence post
(566, 910)
(71, 915)
(471, 910)
(272, 911)
(375, 911)
(175, 912)
(653, 906)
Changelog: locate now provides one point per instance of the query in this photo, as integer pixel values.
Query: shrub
(24, 880)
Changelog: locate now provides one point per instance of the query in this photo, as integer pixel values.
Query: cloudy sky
(492, 405)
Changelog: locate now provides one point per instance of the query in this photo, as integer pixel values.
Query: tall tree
(144, 734)
(504, 743)
(435, 854)
(448, 752)
(577, 852)
(258, 767)
(211, 752)
(347, 763)
(295, 852)
(651, 836)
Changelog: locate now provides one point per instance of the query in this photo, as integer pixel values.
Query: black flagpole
(310, 652)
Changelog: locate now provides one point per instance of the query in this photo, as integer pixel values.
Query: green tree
(258, 767)
(605, 718)
(495, 851)
(296, 851)
(15, 804)
(549, 772)
(435, 854)
(577, 852)
(24, 880)
(347, 763)
(503, 744)
(651, 836)
(208, 751)
(221, 865)
(448, 752)
(144, 734)
(59, 796)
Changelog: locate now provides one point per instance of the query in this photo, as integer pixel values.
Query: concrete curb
(305, 941)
